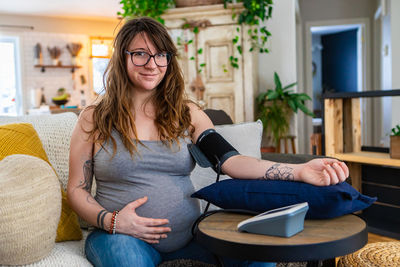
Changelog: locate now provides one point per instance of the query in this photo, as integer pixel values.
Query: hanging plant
(255, 12)
(140, 8)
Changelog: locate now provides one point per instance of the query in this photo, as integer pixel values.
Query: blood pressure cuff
(211, 149)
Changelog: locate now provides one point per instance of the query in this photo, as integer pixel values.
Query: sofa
(54, 131)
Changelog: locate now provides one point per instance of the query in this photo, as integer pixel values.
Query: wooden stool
(285, 139)
(316, 144)
(378, 254)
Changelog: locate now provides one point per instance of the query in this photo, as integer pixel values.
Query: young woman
(135, 143)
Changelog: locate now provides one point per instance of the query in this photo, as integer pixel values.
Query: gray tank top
(162, 174)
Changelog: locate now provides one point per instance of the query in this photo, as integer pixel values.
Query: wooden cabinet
(230, 89)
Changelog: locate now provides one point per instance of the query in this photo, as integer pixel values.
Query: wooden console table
(343, 132)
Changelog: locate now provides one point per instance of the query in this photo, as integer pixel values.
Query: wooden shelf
(375, 158)
(56, 110)
(44, 67)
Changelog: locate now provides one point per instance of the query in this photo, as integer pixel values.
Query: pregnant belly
(180, 210)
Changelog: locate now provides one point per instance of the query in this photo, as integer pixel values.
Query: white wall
(282, 46)
(386, 78)
(395, 32)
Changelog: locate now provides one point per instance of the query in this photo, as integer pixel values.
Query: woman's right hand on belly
(147, 229)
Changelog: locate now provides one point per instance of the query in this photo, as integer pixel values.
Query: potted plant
(395, 142)
(74, 49)
(275, 108)
(55, 53)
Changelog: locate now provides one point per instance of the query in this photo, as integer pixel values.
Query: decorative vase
(395, 147)
(74, 61)
(55, 61)
(188, 3)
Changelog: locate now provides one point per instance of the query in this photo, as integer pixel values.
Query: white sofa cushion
(55, 133)
(30, 209)
(70, 253)
(245, 137)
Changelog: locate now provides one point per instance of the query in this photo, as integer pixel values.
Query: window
(10, 89)
(101, 49)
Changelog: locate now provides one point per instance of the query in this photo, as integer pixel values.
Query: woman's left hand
(322, 172)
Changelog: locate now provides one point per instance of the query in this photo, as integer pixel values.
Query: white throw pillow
(29, 211)
(55, 132)
(245, 137)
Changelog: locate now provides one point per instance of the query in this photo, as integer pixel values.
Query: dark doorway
(339, 61)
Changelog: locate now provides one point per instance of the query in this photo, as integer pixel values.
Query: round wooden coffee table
(320, 239)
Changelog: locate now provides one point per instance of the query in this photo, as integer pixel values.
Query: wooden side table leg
(286, 145)
(278, 146)
(293, 145)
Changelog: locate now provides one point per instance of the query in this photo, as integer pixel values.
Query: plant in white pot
(55, 53)
(74, 49)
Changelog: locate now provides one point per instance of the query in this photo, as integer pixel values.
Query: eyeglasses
(141, 58)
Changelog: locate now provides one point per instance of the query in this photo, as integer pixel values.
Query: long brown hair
(172, 116)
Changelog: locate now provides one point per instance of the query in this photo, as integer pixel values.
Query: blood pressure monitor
(285, 221)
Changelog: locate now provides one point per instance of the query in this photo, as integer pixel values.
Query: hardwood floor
(372, 238)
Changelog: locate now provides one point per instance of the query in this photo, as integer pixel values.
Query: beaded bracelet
(113, 224)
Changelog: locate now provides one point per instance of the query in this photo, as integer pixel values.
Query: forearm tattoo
(100, 218)
(86, 184)
(278, 172)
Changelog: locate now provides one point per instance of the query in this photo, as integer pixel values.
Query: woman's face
(147, 77)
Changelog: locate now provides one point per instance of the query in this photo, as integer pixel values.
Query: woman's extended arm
(319, 172)
(82, 202)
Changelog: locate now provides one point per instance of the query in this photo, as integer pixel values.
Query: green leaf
(288, 86)
(304, 97)
(235, 40)
(200, 51)
(239, 48)
(202, 64)
(292, 105)
(277, 81)
(271, 95)
(196, 30)
(305, 110)
(190, 41)
(191, 58)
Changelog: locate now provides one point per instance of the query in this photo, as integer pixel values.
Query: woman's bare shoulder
(85, 119)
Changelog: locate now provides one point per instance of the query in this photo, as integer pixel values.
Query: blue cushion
(262, 195)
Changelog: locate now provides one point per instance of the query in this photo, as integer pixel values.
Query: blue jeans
(105, 250)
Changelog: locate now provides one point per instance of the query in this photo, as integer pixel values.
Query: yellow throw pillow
(22, 138)
(68, 227)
